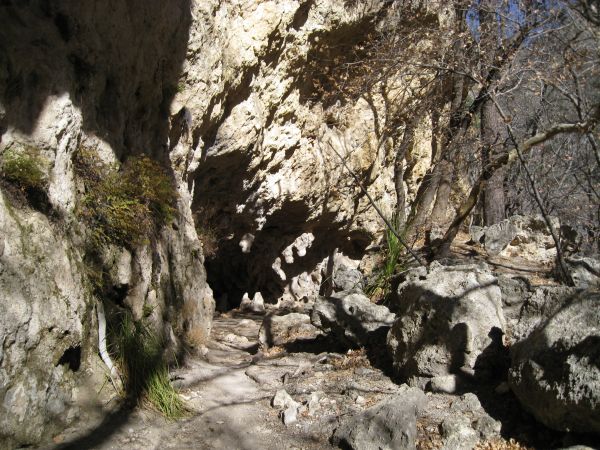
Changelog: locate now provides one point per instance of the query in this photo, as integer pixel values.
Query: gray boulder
(450, 322)
(281, 330)
(498, 236)
(524, 237)
(555, 372)
(539, 304)
(585, 272)
(352, 318)
(526, 307)
(388, 425)
(347, 278)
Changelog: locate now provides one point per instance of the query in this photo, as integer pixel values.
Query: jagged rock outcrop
(268, 140)
(525, 237)
(450, 322)
(389, 425)
(352, 318)
(97, 77)
(227, 96)
(555, 372)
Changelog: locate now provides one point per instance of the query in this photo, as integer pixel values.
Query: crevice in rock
(71, 358)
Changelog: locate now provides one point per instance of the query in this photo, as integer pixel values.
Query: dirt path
(229, 392)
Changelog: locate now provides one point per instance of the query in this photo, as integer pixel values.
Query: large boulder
(282, 330)
(450, 322)
(391, 424)
(352, 318)
(555, 372)
(526, 307)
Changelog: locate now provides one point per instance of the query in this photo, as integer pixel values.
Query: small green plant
(139, 352)
(128, 206)
(380, 287)
(24, 167)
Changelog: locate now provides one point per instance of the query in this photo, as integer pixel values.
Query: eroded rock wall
(100, 76)
(228, 95)
(270, 142)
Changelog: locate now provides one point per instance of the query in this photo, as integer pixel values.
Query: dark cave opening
(232, 273)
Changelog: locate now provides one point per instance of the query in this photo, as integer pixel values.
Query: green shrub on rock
(124, 207)
(24, 167)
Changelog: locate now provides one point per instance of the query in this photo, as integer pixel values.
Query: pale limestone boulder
(450, 321)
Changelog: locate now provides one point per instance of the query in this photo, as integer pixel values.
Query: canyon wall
(229, 97)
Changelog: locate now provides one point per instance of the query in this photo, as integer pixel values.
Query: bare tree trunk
(407, 142)
(439, 214)
(493, 136)
(423, 201)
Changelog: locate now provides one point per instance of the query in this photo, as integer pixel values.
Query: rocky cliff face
(271, 189)
(228, 96)
(99, 76)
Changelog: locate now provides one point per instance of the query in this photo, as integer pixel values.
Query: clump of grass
(206, 231)
(24, 167)
(124, 207)
(380, 288)
(146, 375)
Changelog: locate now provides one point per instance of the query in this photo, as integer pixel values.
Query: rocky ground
(237, 394)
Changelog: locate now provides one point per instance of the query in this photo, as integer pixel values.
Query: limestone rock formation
(525, 237)
(450, 321)
(281, 330)
(352, 318)
(555, 372)
(46, 326)
(390, 425)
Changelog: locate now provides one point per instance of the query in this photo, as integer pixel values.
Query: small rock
(352, 318)
(360, 400)
(444, 384)
(281, 330)
(466, 403)
(290, 415)
(488, 427)
(283, 400)
(387, 425)
(314, 402)
(458, 433)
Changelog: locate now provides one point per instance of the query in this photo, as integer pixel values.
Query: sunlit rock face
(100, 76)
(269, 145)
(229, 97)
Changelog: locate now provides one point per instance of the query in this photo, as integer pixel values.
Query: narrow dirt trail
(229, 392)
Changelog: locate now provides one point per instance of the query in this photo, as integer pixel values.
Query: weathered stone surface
(539, 304)
(97, 87)
(255, 304)
(390, 425)
(281, 330)
(450, 321)
(585, 272)
(352, 317)
(458, 433)
(346, 276)
(555, 372)
(524, 237)
(45, 312)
